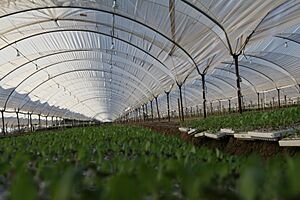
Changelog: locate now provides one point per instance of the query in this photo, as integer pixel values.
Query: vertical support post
(258, 104)
(57, 121)
(46, 121)
(229, 105)
(144, 115)
(238, 82)
(285, 101)
(203, 95)
(30, 119)
(157, 108)
(39, 115)
(146, 106)
(151, 106)
(168, 105)
(3, 122)
(18, 121)
(52, 120)
(139, 114)
(211, 108)
(181, 102)
(278, 97)
(179, 111)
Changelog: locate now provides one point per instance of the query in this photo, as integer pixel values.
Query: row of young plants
(251, 120)
(121, 162)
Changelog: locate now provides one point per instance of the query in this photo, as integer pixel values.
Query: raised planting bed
(283, 118)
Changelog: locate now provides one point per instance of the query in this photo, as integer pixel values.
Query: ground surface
(228, 145)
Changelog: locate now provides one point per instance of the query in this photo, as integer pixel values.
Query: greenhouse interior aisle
(112, 60)
(221, 77)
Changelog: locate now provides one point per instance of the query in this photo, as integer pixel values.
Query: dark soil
(228, 144)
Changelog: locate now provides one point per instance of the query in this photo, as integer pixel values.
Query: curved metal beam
(98, 89)
(214, 21)
(97, 33)
(222, 80)
(115, 95)
(116, 103)
(282, 69)
(102, 70)
(109, 12)
(80, 50)
(251, 85)
(288, 38)
(255, 71)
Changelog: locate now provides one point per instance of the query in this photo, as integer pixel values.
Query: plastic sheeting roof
(99, 59)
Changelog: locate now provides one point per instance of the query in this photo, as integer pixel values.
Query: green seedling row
(252, 120)
(120, 162)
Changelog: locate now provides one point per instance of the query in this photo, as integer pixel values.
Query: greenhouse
(149, 99)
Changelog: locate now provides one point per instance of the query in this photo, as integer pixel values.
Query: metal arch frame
(215, 88)
(250, 84)
(282, 69)
(115, 83)
(207, 75)
(104, 11)
(53, 64)
(80, 50)
(97, 33)
(288, 38)
(43, 108)
(191, 95)
(135, 21)
(57, 111)
(97, 114)
(113, 116)
(219, 78)
(261, 74)
(213, 20)
(119, 96)
(115, 110)
(69, 72)
(55, 107)
(102, 89)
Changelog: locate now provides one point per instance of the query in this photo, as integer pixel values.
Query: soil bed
(227, 144)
